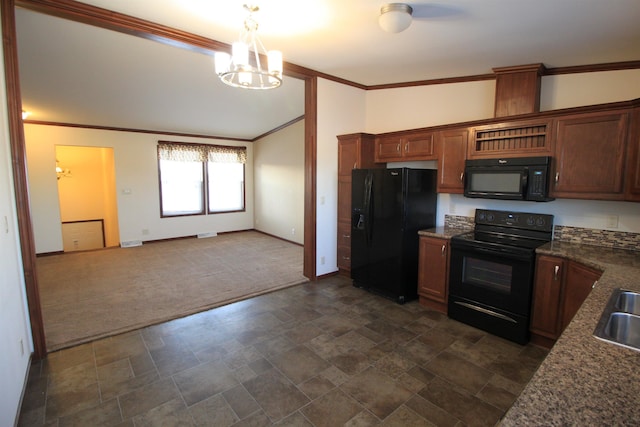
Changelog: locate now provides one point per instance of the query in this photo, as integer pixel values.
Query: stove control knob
(490, 217)
(530, 220)
(540, 222)
(481, 216)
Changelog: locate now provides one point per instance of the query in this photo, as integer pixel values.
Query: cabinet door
(347, 156)
(547, 291)
(344, 246)
(432, 268)
(388, 148)
(632, 191)
(579, 281)
(452, 152)
(590, 152)
(418, 146)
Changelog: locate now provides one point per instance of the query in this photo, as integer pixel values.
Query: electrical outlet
(612, 221)
(145, 231)
(293, 231)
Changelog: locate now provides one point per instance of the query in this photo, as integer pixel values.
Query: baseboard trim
(24, 390)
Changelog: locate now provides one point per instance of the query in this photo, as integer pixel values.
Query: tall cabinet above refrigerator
(388, 208)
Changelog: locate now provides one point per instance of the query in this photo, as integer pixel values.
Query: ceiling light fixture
(240, 70)
(395, 17)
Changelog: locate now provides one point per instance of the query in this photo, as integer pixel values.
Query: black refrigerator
(388, 208)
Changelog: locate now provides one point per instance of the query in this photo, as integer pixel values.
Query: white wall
(341, 110)
(136, 183)
(390, 110)
(279, 183)
(15, 334)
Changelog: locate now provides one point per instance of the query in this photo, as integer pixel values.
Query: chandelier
(243, 68)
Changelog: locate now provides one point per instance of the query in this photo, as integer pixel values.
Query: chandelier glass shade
(244, 67)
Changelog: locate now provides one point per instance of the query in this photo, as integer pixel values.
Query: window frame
(205, 175)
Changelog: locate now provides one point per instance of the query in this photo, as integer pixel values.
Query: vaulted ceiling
(76, 73)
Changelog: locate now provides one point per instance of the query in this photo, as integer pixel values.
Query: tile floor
(319, 354)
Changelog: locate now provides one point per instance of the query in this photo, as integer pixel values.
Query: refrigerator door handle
(368, 208)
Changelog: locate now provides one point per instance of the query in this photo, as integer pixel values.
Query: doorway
(87, 196)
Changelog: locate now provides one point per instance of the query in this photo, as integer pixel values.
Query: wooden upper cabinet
(410, 146)
(355, 151)
(632, 185)
(590, 155)
(451, 149)
(518, 89)
(511, 139)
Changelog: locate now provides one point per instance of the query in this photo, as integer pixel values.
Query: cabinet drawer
(344, 234)
(344, 257)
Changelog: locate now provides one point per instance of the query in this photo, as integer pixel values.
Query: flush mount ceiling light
(243, 68)
(395, 17)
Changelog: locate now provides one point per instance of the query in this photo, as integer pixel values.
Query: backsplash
(455, 221)
(585, 236)
(595, 237)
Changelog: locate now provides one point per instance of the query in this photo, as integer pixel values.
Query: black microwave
(518, 178)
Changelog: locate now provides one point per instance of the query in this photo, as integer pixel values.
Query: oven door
(490, 289)
(495, 277)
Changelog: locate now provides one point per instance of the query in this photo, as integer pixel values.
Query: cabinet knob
(556, 270)
(557, 177)
(444, 248)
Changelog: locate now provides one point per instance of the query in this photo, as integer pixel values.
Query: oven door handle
(486, 311)
(495, 251)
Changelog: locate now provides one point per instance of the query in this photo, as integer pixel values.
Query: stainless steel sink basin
(624, 328)
(620, 321)
(629, 302)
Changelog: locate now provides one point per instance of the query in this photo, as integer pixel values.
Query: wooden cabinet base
(435, 305)
(541, 341)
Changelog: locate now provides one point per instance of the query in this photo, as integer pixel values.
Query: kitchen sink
(629, 302)
(620, 321)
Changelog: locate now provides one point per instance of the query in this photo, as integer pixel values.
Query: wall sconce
(60, 172)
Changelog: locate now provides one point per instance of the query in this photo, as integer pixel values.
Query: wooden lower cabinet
(433, 273)
(560, 288)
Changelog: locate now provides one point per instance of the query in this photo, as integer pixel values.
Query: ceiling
(76, 73)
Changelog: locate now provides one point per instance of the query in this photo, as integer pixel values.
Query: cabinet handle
(346, 258)
(557, 177)
(444, 248)
(406, 147)
(398, 147)
(355, 164)
(461, 176)
(594, 284)
(346, 236)
(556, 270)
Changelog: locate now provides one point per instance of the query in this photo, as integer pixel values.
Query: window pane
(181, 186)
(226, 187)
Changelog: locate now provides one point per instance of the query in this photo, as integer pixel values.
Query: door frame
(71, 10)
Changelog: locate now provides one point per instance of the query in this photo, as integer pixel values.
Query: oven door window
(493, 276)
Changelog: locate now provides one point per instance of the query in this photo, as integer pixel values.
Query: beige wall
(137, 188)
(89, 192)
(279, 183)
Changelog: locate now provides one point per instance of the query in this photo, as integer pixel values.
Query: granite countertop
(443, 232)
(585, 381)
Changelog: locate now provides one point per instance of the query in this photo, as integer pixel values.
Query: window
(196, 179)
